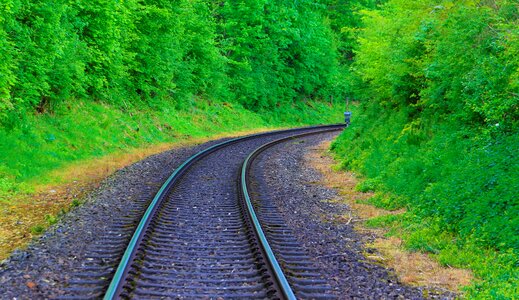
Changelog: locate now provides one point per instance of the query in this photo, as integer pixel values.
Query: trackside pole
(347, 113)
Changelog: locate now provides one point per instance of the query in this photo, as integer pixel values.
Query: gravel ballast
(282, 174)
(47, 266)
(43, 269)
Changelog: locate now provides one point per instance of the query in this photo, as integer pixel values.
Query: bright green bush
(442, 114)
(107, 29)
(465, 179)
(7, 77)
(289, 39)
(176, 54)
(443, 57)
(155, 53)
(437, 129)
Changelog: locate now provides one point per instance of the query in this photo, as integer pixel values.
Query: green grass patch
(385, 201)
(497, 273)
(37, 229)
(86, 130)
(458, 183)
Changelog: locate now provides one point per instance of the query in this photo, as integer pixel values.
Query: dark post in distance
(347, 113)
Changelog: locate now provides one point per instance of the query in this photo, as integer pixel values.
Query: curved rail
(116, 285)
(244, 190)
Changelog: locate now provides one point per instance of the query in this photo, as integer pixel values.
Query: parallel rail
(120, 277)
(244, 180)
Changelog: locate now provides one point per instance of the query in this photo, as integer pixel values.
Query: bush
(437, 127)
(155, 53)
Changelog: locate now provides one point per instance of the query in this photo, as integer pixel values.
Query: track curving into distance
(292, 260)
(200, 236)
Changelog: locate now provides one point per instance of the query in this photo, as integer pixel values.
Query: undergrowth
(458, 184)
(47, 142)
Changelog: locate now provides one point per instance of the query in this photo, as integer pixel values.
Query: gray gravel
(282, 174)
(51, 260)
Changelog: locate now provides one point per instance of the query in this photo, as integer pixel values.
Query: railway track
(204, 236)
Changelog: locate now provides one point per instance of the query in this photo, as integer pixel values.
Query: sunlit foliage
(438, 123)
(152, 52)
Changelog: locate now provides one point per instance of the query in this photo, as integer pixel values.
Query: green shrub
(37, 229)
(149, 53)
(437, 128)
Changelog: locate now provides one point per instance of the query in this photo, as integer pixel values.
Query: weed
(51, 220)
(37, 229)
(75, 203)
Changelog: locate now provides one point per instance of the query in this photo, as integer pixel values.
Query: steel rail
(119, 278)
(276, 269)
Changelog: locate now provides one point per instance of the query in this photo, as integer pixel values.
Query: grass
(77, 132)
(457, 183)
(50, 161)
(411, 267)
(497, 273)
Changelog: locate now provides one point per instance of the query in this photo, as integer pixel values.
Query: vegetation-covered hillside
(85, 61)
(83, 79)
(437, 130)
(132, 53)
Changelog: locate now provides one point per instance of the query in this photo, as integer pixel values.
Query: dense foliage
(134, 52)
(438, 84)
(438, 120)
(83, 79)
(277, 50)
(444, 57)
